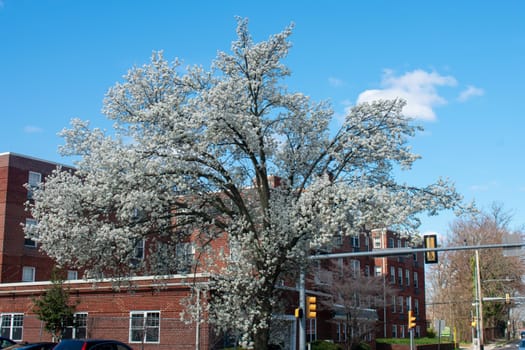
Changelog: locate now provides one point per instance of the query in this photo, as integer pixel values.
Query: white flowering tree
(193, 150)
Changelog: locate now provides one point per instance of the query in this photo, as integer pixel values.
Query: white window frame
(28, 274)
(12, 326)
(79, 322)
(33, 181)
(355, 241)
(394, 299)
(144, 327)
(185, 252)
(139, 249)
(72, 275)
(407, 277)
(416, 279)
(80, 319)
(356, 267)
(28, 242)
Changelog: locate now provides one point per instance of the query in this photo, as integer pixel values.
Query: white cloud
(418, 88)
(485, 187)
(470, 91)
(31, 129)
(335, 82)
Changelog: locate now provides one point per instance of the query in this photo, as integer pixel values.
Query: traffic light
(474, 322)
(430, 241)
(311, 307)
(298, 312)
(411, 319)
(507, 298)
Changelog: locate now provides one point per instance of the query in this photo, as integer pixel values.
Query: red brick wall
(14, 173)
(109, 311)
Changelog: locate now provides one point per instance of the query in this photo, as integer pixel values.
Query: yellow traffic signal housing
(411, 319)
(507, 298)
(298, 312)
(430, 241)
(311, 307)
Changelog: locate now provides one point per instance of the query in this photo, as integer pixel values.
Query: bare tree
(353, 299)
(451, 281)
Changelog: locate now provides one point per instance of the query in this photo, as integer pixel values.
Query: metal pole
(480, 302)
(302, 305)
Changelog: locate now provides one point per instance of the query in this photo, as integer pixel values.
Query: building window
(407, 277)
(356, 268)
(394, 331)
(392, 274)
(77, 329)
(185, 252)
(408, 304)
(72, 275)
(400, 276)
(390, 242)
(28, 274)
(393, 303)
(31, 227)
(144, 327)
(377, 242)
(341, 331)
(311, 330)
(400, 302)
(416, 307)
(399, 245)
(338, 239)
(402, 331)
(12, 326)
(416, 282)
(355, 241)
(33, 182)
(138, 249)
(367, 270)
(378, 271)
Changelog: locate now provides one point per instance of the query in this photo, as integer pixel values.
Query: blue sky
(459, 64)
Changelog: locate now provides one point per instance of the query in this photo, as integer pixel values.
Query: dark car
(91, 344)
(32, 346)
(5, 342)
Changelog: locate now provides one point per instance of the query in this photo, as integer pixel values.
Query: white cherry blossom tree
(193, 152)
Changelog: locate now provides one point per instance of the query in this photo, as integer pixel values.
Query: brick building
(146, 314)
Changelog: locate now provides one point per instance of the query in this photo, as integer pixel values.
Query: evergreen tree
(54, 308)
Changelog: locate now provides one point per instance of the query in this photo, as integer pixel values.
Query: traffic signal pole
(378, 253)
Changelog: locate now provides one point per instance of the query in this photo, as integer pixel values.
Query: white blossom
(194, 151)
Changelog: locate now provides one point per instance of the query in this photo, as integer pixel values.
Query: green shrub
(431, 333)
(324, 345)
(362, 346)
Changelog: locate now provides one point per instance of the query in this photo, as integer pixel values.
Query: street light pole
(479, 304)
(302, 306)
